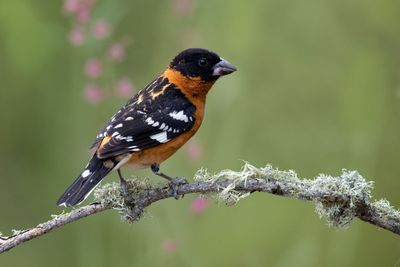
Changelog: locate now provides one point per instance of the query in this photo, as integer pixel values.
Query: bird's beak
(223, 68)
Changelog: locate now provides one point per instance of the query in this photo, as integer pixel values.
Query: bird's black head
(201, 63)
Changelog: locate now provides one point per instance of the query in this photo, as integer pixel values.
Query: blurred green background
(318, 90)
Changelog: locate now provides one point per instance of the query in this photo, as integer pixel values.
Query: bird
(153, 124)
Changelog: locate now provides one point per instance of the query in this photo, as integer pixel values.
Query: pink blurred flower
(117, 52)
(193, 150)
(93, 68)
(199, 205)
(169, 246)
(124, 87)
(93, 93)
(101, 29)
(77, 36)
(81, 8)
(183, 7)
(71, 6)
(83, 15)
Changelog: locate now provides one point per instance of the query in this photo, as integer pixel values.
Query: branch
(338, 199)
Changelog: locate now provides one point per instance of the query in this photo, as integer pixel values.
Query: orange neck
(192, 87)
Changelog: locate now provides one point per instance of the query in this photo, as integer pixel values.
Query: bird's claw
(175, 183)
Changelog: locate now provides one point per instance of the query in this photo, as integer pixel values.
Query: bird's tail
(86, 182)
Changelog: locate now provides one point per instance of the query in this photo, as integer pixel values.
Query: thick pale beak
(223, 68)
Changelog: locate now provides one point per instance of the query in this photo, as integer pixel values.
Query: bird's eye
(203, 62)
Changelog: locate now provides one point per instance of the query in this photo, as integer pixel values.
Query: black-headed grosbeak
(154, 123)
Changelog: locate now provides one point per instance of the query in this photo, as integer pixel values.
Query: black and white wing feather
(153, 121)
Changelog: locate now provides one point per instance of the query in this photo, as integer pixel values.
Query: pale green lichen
(270, 172)
(349, 184)
(231, 196)
(110, 196)
(386, 211)
(228, 194)
(247, 171)
(16, 231)
(334, 214)
(57, 216)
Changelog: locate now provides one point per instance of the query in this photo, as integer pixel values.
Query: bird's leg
(174, 182)
(123, 185)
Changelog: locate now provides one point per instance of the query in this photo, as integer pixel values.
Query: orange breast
(159, 153)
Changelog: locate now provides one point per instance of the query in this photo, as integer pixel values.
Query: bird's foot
(175, 183)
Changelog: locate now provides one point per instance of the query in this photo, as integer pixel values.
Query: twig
(22, 236)
(338, 199)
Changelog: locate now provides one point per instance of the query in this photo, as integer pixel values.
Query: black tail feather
(77, 192)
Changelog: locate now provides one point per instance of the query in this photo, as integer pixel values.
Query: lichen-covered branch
(338, 199)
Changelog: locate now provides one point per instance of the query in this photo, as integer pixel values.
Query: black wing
(157, 119)
(130, 106)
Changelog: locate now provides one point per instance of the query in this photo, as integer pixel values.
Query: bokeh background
(318, 90)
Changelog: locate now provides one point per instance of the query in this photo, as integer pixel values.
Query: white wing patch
(180, 116)
(133, 148)
(86, 173)
(160, 137)
(149, 121)
(126, 138)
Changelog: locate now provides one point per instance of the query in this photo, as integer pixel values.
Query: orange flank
(160, 153)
